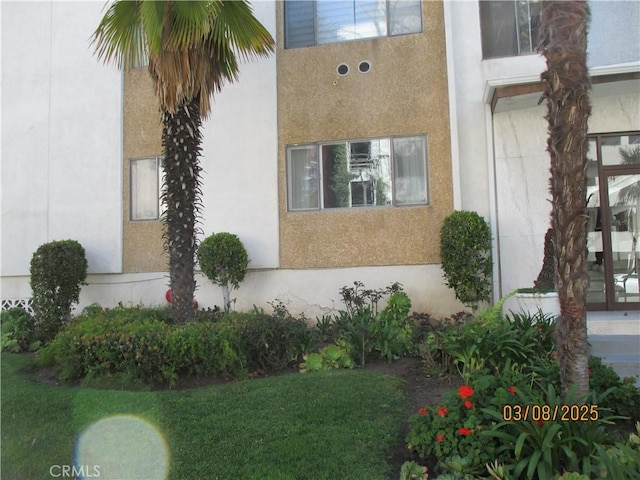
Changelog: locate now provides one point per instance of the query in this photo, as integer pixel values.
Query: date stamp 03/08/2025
(546, 413)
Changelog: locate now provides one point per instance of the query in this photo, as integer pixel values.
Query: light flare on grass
(123, 446)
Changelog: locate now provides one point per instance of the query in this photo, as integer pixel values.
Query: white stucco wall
(522, 171)
(312, 292)
(61, 136)
(240, 156)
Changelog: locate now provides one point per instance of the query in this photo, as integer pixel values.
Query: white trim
(494, 83)
(493, 205)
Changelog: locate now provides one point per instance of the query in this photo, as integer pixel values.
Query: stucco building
(334, 160)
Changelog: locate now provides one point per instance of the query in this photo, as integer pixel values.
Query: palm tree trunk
(563, 42)
(181, 139)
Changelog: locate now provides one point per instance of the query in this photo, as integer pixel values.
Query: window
(509, 27)
(146, 182)
(320, 22)
(361, 173)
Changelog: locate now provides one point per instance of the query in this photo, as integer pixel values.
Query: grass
(325, 425)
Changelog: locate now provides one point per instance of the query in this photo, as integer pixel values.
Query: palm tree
(563, 42)
(193, 49)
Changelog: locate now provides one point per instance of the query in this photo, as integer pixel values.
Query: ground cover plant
(325, 425)
(506, 364)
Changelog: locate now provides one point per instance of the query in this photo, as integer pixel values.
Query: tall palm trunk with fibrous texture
(563, 42)
(181, 141)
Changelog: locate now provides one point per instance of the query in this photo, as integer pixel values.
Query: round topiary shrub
(465, 252)
(58, 269)
(224, 261)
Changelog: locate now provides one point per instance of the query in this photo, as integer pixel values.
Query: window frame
(316, 43)
(488, 33)
(159, 187)
(320, 180)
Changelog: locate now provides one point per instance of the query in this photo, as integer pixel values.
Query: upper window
(146, 184)
(317, 22)
(362, 173)
(509, 28)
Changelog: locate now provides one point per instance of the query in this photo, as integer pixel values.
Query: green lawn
(333, 425)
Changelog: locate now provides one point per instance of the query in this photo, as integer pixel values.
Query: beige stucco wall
(404, 93)
(143, 245)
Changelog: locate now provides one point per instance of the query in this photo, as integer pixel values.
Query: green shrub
(488, 342)
(135, 344)
(139, 344)
(270, 342)
(58, 269)
(465, 252)
(18, 330)
(224, 260)
(623, 396)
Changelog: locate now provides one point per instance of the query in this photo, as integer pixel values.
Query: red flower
(422, 411)
(540, 422)
(442, 411)
(589, 371)
(465, 391)
(440, 437)
(468, 404)
(512, 389)
(464, 431)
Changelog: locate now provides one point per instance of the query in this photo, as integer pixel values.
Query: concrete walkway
(615, 336)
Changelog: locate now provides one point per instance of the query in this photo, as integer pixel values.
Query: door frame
(604, 172)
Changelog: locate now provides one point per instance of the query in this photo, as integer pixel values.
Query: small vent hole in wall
(342, 69)
(364, 67)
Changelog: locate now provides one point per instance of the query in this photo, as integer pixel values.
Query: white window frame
(320, 173)
(158, 187)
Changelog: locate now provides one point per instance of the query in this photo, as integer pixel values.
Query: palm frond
(236, 25)
(189, 22)
(120, 37)
(153, 18)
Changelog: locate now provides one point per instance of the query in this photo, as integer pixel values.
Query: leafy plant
(621, 460)
(367, 330)
(538, 445)
(18, 330)
(465, 252)
(330, 357)
(490, 342)
(450, 431)
(412, 471)
(623, 396)
(224, 260)
(392, 328)
(58, 269)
